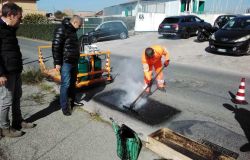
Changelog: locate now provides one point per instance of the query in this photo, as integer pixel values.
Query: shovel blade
(130, 108)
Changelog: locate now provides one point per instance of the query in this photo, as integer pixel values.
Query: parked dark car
(232, 38)
(183, 26)
(222, 20)
(108, 30)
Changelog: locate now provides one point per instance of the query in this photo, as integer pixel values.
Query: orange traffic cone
(240, 96)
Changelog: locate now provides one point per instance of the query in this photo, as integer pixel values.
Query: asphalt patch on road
(152, 112)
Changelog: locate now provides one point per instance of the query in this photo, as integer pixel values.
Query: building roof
(132, 1)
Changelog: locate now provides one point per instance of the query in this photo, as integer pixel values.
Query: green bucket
(98, 66)
(128, 143)
(83, 67)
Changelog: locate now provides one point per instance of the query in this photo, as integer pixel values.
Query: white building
(150, 13)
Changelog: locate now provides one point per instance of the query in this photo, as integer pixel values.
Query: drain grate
(219, 149)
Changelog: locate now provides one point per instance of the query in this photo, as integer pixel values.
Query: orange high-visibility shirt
(159, 51)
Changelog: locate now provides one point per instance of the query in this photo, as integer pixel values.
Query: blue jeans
(68, 84)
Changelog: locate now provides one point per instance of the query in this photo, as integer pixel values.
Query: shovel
(132, 105)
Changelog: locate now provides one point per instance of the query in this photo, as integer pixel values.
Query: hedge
(37, 31)
(45, 31)
(41, 31)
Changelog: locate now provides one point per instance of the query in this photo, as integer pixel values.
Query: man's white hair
(76, 18)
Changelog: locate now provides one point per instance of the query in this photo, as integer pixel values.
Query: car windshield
(238, 24)
(225, 18)
(171, 20)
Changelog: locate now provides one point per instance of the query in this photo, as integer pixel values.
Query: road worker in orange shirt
(151, 58)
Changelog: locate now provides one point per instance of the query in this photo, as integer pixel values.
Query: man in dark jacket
(10, 72)
(66, 52)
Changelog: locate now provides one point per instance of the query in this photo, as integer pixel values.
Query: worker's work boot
(162, 87)
(11, 132)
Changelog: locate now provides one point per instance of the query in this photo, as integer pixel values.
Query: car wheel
(185, 35)
(200, 37)
(93, 39)
(123, 35)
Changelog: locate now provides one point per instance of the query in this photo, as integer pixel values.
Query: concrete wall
(148, 21)
(151, 21)
(226, 6)
(119, 10)
(29, 7)
(210, 18)
(172, 8)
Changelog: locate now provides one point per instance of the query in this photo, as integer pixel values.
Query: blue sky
(76, 5)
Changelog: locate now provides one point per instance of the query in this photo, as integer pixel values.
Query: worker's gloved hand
(166, 63)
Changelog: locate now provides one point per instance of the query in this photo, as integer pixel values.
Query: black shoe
(66, 112)
(245, 147)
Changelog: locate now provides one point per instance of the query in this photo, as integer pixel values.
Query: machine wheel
(123, 35)
(93, 39)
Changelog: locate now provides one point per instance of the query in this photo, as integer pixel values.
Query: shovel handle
(133, 103)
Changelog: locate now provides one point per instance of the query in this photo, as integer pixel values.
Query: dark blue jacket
(65, 44)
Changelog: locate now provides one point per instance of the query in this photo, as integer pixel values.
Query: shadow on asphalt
(87, 93)
(152, 112)
(53, 107)
(243, 117)
(231, 95)
(195, 40)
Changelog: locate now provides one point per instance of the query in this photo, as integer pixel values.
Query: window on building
(128, 11)
(185, 5)
(201, 6)
(192, 5)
